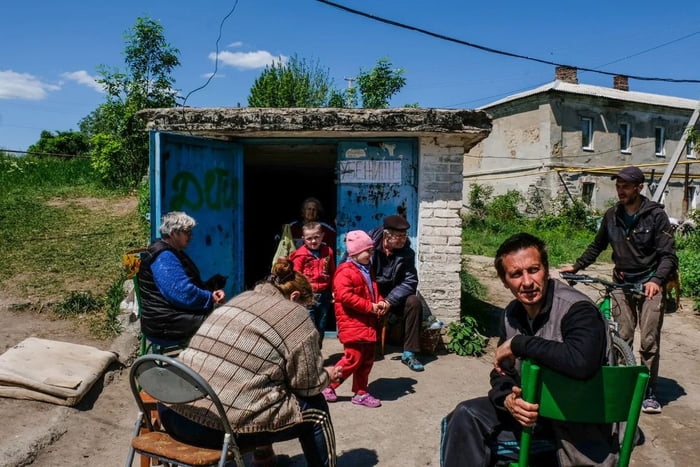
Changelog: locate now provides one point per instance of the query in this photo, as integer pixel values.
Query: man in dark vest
(561, 329)
(174, 299)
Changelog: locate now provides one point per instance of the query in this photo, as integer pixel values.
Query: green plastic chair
(147, 346)
(614, 394)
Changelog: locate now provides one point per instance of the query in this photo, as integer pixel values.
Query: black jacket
(648, 246)
(159, 318)
(396, 273)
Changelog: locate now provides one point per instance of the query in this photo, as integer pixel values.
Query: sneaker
(329, 394)
(412, 362)
(651, 405)
(367, 400)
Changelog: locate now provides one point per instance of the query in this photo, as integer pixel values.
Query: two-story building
(566, 139)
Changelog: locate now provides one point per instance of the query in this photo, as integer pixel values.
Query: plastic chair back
(613, 394)
(168, 380)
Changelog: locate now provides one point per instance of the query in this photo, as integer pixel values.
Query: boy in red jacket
(358, 307)
(316, 262)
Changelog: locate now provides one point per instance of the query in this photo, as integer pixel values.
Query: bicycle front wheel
(622, 353)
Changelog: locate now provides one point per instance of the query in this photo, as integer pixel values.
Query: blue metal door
(203, 178)
(376, 180)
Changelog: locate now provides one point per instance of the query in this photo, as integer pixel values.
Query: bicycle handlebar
(585, 279)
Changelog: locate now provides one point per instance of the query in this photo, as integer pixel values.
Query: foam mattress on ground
(51, 371)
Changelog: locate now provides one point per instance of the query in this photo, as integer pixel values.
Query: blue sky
(50, 50)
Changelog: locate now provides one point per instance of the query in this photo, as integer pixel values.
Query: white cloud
(24, 86)
(248, 60)
(82, 77)
(233, 45)
(212, 75)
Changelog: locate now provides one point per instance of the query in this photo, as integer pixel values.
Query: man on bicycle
(644, 251)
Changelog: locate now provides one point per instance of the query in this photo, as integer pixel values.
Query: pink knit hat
(358, 241)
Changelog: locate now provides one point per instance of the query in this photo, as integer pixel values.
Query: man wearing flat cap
(644, 251)
(394, 263)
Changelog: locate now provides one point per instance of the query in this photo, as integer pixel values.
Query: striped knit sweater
(256, 352)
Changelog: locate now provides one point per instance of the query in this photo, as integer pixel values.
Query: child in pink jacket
(358, 307)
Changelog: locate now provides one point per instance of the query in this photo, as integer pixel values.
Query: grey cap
(630, 174)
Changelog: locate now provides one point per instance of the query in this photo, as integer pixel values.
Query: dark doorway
(277, 179)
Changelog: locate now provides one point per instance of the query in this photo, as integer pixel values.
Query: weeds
(79, 303)
(465, 338)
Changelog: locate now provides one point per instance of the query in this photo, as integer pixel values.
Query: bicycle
(623, 354)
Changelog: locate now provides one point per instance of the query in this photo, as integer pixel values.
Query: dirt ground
(405, 431)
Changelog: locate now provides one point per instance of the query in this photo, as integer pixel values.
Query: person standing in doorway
(644, 251)
(312, 211)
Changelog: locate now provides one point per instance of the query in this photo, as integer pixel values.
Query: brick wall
(440, 226)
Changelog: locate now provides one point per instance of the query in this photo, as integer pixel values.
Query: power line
(216, 56)
(650, 49)
(497, 51)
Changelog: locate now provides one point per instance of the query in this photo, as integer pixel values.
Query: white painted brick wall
(440, 227)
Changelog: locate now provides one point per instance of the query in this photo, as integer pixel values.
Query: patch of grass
(79, 303)
(63, 234)
(565, 243)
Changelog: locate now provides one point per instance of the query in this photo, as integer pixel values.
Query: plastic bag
(286, 245)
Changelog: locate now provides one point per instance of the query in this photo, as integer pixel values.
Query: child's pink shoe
(367, 400)
(329, 394)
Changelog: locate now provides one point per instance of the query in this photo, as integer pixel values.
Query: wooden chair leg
(151, 406)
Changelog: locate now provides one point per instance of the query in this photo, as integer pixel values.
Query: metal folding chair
(168, 380)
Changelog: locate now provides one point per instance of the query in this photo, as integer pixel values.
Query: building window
(692, 198)
(625, 137)
(587, 193)
(690, 150)
(659, 140)
(587, 133)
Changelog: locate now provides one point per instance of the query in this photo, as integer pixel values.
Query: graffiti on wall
(216, 191)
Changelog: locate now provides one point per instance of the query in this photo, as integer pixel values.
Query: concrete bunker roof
(247, 122)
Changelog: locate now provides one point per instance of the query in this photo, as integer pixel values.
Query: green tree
(379, 84)
(71, 143)
(146, 83)
(296, 83)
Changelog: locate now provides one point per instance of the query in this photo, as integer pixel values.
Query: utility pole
(676, 157)
(350, 93)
